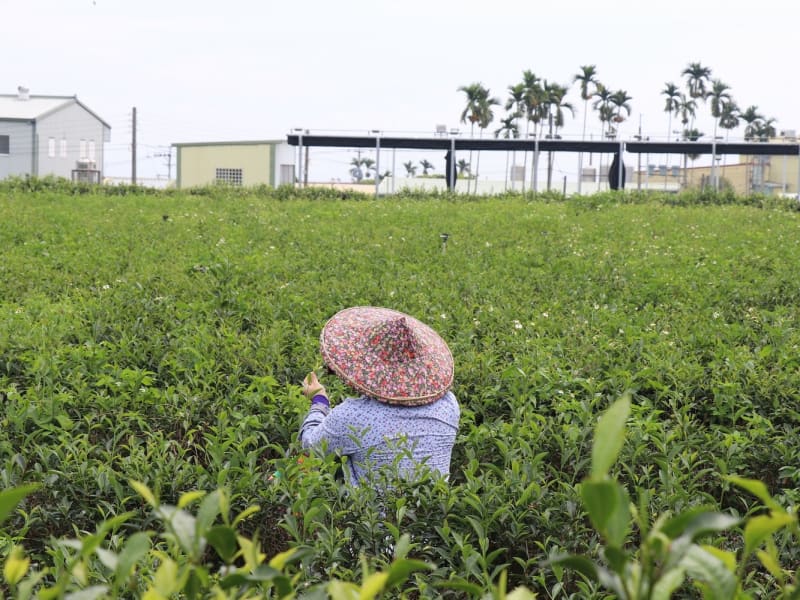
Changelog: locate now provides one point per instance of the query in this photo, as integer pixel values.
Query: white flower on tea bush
(443, 315)
(545, 314)
(517, 324)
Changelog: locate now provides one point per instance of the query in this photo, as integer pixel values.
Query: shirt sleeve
(330, 429)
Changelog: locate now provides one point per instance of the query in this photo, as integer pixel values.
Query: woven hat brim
(345, 348)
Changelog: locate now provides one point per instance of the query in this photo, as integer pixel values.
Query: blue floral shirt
(372, 433)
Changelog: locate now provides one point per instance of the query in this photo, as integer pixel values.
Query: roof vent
(23, 93)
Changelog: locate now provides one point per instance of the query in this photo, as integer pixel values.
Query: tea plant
(668, 550)
(160, 337)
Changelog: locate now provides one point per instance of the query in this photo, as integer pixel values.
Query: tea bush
(161, 337)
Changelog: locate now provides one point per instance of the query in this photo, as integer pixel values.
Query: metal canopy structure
(537, 145)
(543, 145)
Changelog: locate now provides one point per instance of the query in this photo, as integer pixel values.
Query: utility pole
(133, 150)
(168, 156)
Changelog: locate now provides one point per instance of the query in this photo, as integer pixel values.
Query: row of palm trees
(411, 167)
(539, 103)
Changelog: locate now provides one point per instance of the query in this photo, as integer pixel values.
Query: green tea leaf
(770, 562)
(609, 509)
(134, 549)
(11, 497)
(189, 497)
(701, 565)
(581, 564)
(207, 513)
(400, 569)
(609, 436)
(223, 539)
(757, 488)
(372, 586)
(668, 583)
(16, 566)
(340, 590)
(144, 492)
(89, 593)
(760, 527)
(280, 560)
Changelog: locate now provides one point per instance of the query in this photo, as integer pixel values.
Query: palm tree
(728, 119)
(605, 112)
(587, 77)
(507, 130)
(671, 107)
(474, 93)
(478, 110)
(719, 96)
(486, 116)
(463, 166)
(411, 168)
(515, 104)
(554, 106)
(426, 166)
(369, 165)
(602, 105)
(729, 116)
(751, 116)
(692, 135)
(355, 171)
(687, 107)
(534, 96)
(765, 129)
(697, 76)
(619, 100)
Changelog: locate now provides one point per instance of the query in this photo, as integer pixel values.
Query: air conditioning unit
(84, 164)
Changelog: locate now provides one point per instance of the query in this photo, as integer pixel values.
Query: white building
(50, 135)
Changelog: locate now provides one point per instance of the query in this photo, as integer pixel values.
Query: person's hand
(312, 387)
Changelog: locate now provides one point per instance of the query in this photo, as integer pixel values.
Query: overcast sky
(198, 70)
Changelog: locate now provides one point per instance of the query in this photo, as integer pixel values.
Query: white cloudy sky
(253, 69)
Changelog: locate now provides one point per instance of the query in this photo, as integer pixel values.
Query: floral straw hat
(387, 355)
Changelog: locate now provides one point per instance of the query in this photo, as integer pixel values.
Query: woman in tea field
(405, 412)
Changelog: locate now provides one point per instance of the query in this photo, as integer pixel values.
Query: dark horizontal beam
(745, 148)
(442, 143)
(545, 145)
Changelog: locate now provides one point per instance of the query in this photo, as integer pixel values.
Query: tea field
(152, 346)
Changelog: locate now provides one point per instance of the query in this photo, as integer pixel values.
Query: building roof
(35, 107)
(233, 143)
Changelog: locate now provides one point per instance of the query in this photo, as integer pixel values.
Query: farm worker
(402, 371)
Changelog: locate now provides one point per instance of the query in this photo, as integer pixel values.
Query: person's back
(373, 434)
